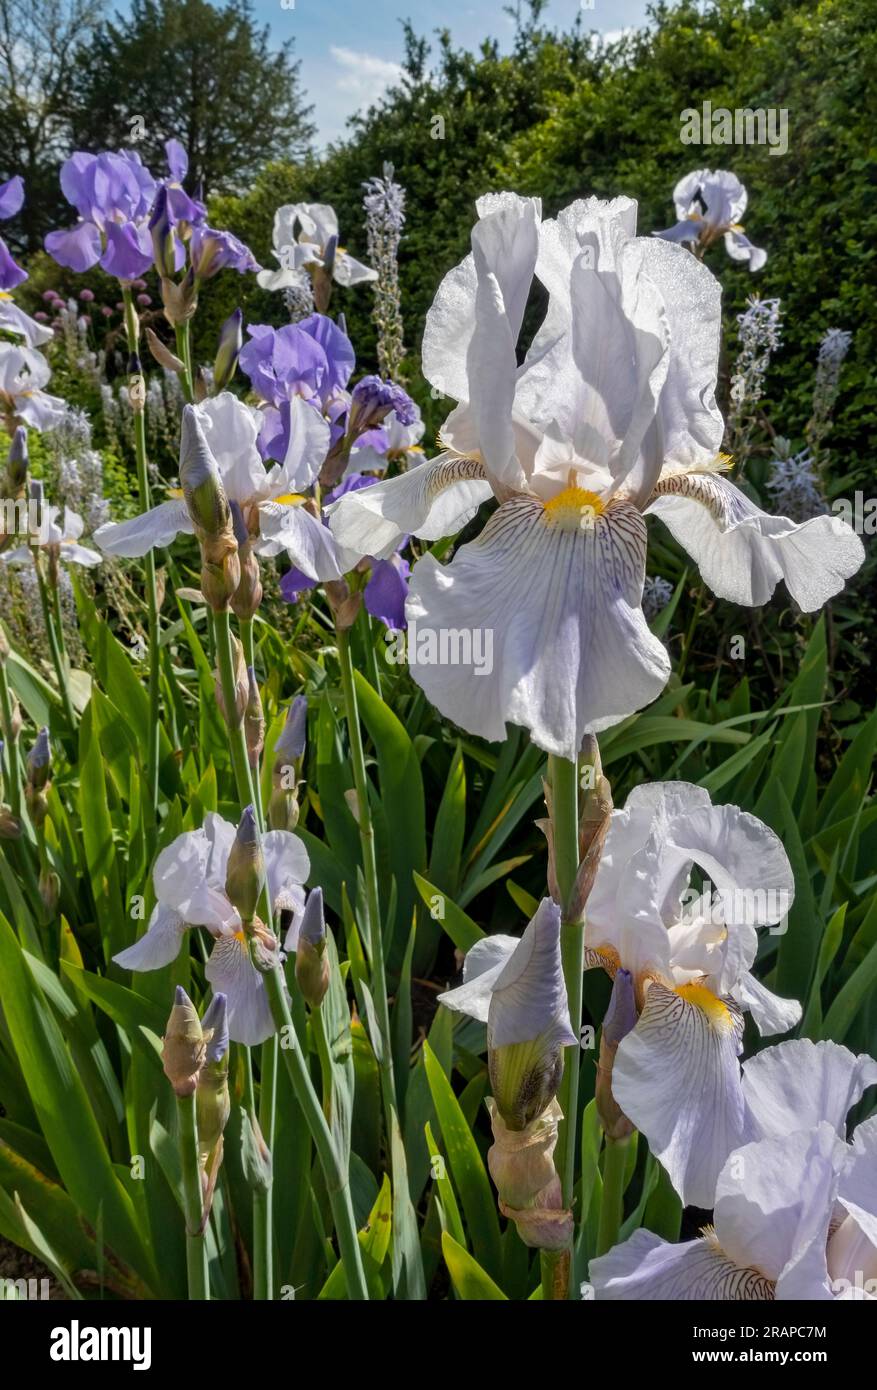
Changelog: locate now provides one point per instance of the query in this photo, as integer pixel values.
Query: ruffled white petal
(160, 943)
(743, 553)
(772, 1014)
(143, 533)
(348, 271)
(773, 1205)
(436, 499)
(677, 1079)
(799, 1083)
(287, 865)
(231, 430)
(858, 1186)
(81, 555)
(310, 545)
(482, 968)
(189, 876)
(647, 1268)
(309, 436)
(571, 650)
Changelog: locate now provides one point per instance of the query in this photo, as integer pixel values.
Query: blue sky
(350, 49)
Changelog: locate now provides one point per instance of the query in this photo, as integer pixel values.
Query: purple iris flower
(11, 201)
(313, 359)
(387, 589)
(373, 399)
(181, 208)
(112, 194)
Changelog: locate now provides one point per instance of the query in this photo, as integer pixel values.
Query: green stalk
(337, 1181)
(375, 935)
(132, 329)
(563, 777)
(184, 352)
(196, 1249)
(13, 754)
(611, 1207)
(236, 737)
(263, 1206)
(54, 647)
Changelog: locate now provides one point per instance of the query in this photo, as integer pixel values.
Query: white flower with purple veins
(266, 500)
(794, 1205)
(189, 878)
(709, 205)
(23, 374)
(612, 415)
(689, 957)
(306, 234)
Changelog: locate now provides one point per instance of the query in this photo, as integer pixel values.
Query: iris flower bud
(232, 718)
(231, 340)
(248, 595)
(245, 875)
(311, 959)
(163, 239)
(528, 1023)
(39, 761)
(521, 1163)
(620, 1018)
(283, 808)
(212, 1101)
(183, 1048)
(210, 514)
(254, 720)
(17, 462)
(10, 825)
(49, 889)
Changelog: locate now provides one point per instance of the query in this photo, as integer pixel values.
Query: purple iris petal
(213, 251)
(337, 347)
(385, 593)
(283, 362)
(177, 160)
(128, 252)
(294, 584)
(78, 248)
(374, 398)
(11, 273)
(11, 197)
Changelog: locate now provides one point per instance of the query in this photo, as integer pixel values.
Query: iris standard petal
(529, 998)
(677, 1079)
(558, 606)
(483, 965)
(743, 553)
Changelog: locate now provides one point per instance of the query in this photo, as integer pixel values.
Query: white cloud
(363, 76)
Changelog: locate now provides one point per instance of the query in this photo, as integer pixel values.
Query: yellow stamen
(718, 1014)
(573, 509)
(290, 499)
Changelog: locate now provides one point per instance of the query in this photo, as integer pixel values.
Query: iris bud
(245, 875)
(183, 1048)
(210, 514)
(17, 462)
(231, 340)
(163, 239)
(233, 718)
(311, 959)
(212, 1101)
(254, 720)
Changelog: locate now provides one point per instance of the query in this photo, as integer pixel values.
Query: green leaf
(470, 1179)
(460, 928)
(467, 1275)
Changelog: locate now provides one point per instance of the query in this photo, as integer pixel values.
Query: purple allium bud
(144, 300)
(86, 296)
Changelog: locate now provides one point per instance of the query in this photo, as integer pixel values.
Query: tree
(38, 43)
(203, 74)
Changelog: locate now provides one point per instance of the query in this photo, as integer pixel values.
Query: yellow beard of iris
(574, 509)
(718, 1014)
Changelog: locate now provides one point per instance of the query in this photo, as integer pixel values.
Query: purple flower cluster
(118, 202)
(313, 359)
(373, 399)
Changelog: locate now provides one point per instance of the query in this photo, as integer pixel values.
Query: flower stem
(184, 352)
(196, 1250)
(611, 1207)
(263, 1205)
(369, 862)
(337, 1181)
(10, 742)
(132, 329)
(236, 736)
(55, 647)
(563, 778)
